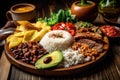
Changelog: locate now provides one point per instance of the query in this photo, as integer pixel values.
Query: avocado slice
(49, 60)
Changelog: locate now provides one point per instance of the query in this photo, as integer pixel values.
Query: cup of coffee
(21, 11)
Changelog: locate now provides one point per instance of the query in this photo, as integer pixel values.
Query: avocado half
(55, 58)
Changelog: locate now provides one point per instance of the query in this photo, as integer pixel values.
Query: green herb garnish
(60, 16)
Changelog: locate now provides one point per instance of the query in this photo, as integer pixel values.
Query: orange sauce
(23, 8)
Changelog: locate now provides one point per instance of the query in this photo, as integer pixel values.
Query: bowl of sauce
(22, 7)
(21, 11)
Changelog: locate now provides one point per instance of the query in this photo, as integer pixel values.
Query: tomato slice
(68, 26)
(72, 32)
(59, 26)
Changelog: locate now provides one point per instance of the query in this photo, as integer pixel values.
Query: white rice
(56, 43)
(72, 57)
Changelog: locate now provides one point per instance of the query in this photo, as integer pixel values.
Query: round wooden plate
(55, 71)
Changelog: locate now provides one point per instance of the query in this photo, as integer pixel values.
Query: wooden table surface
(107, 69)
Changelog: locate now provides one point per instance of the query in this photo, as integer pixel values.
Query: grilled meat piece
(92, 29)
(92, 44)
(89, 41)
(89, 35)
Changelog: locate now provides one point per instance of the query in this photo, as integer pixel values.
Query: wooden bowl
(57, 71)
(87, 12)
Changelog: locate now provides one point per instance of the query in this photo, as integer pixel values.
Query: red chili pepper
(68, 26)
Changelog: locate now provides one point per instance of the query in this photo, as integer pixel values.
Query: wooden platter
(56, 71)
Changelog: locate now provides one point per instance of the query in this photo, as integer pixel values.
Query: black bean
(30, 46)
(35, 47)
(27, 54)
(42, 49)
(32, 51)
(45, 52)
(16, 56)
(19, 56)
(31, 58)
(26, 59)
(47, 60)
(39, 51)
(25, 45)
(25, 50)
(23, 57)
(40, 46)
(21, 45)
(15, 51)
(33, 43)
(39, 56)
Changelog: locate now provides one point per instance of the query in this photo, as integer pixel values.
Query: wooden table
(107, 69)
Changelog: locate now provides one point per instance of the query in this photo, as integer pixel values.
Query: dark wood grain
(4, 67)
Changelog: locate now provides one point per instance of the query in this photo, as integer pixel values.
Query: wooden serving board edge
(4, 67)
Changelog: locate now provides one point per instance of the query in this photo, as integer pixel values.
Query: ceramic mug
(22, 11)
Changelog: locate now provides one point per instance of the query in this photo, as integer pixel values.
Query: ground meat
(85, 50)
